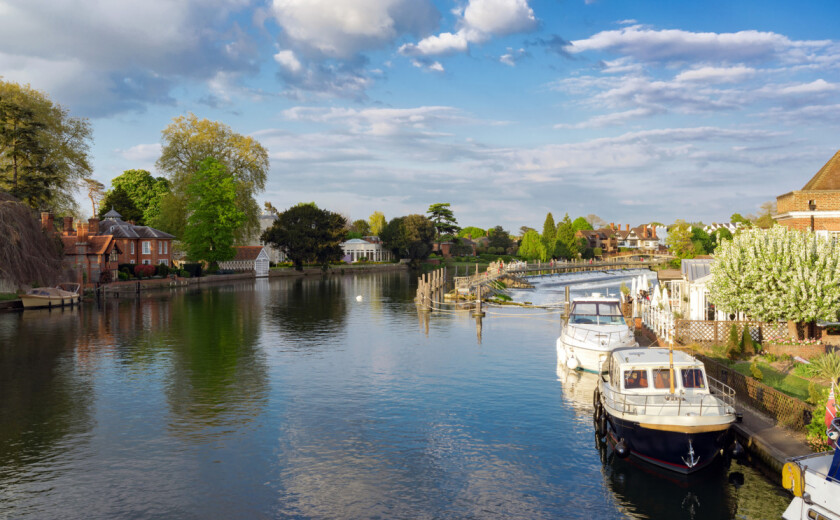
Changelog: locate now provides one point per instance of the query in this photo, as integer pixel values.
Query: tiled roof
(247, 252)
(121, 229)
(828, 178)
(696, 268)
(96, 244)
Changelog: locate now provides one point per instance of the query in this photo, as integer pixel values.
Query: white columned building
(369, 248)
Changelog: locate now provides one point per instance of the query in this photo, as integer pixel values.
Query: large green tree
(499, 238)
(189, 140)
(580, 224)
(214, 215)
(778, 274)
(444, 219)
(532, 248)
(308, 234)
(145, 191)
(679, 240)
(44, 152)
(409, 237)
(119, 200)
(566, 236)
(472, 231)
(377, 223)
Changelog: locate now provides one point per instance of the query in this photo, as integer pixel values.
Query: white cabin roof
(597, 299)
(652, 357)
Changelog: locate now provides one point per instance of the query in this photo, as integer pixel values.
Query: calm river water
(292, 399)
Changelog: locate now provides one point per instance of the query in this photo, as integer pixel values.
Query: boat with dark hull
(659, 406)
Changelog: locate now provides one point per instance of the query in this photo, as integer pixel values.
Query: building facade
(92, 255)
(249, 258)
(817, 205)
(369, 248)
(138, 244)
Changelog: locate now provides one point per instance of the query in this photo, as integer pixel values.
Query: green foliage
(499, 238)
(815, 430)
(827, 366)
(549, 233)
(143, 190)
(308, 234)
(472, 231)
(733, 346)
(737, 218)
(214, 217)
(701, 241)
(777, 274)
(194, 270)
(747, 347)
(443, 218)
(755, 371)
(624, 289)
(43, 151)
(122, 276)
(597, 251)
(119, 200)
(532, 248)
(377, 223)
(566, 236)
(360, 227)
(580, 224)
(679, 240)
(162, 270)
(188, 141)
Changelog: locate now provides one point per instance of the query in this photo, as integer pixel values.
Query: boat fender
(792, 479)
(737, 450)
(602, 425)
(572, 363)
(621, 448)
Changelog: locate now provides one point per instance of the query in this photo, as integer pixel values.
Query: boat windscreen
(692, 378)
(661, 378)
(596, 313)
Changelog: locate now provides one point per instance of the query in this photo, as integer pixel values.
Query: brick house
(138, 244)
(817, 205)
(605, 238)
(92, 255)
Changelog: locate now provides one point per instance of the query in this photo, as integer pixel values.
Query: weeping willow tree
(28, 254)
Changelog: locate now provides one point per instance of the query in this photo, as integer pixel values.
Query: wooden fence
(789, 411)
(717, 332)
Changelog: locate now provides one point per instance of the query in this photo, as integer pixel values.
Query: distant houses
(612, 239)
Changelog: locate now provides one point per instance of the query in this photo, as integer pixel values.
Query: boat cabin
(591, 311)
(648, 371)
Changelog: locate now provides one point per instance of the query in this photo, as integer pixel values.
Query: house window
(147, 247)
(146, 261)
(165, 247)
(164, 261)
(132, 260)
(160, 248)
(132, 249)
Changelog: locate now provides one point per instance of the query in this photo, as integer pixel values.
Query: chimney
(68, 225)
(47, 221)
(612, 226)
(627, 228)
(93, 226)
(81, 233)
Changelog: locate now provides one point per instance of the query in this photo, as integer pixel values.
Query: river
(318, 398)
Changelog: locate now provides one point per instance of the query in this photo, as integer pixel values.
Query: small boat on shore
(595, 328)
(814, 481)
(59, 296)
(660, 406)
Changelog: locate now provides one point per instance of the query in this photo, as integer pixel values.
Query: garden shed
(249, 258)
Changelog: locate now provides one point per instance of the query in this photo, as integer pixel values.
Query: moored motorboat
(814, 481)
(595, 328)
(63, 294)
(660, 406)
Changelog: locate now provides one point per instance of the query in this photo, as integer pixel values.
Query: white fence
(657, 318)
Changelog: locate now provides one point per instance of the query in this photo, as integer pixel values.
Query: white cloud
(716, 74)
(512, 56)
(443, 43)
(381, 121)
(288, 60)
(141, 152)
(609, 120)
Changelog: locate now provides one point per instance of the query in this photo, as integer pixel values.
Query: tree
(95, 192)
(118, 200)
(269, 207)
(409, 237)
(566, 235)
(595, 221)
(524, 229)
(737, 218)
(186, 142)
(308, 233)
(778, 274)
(719, 235)
(28, 254)
(499, 238)
(765, 218)
(679, 240)
(532, 247)
(549, 230)
(44, 152)
(145, 191)
(377, 223)
(472, 231)
(360, 227)
(580, 224)
(443, 218)
(701, 241)
(213, 214)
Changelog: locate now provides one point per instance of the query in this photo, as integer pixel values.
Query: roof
(696, 268)
(356, 241)
(112, 214)
(96, 244)
(120, 229)
(247, 252)
(643, 356)
(828, 178)
(669, 274)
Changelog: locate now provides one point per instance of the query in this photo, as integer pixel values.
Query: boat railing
(599, 337)
(678, 404)
(722, 391)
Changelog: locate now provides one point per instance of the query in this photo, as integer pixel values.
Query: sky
(506, 109)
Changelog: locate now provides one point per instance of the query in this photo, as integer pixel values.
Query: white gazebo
(370, 248)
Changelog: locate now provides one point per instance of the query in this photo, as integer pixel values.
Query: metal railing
(720, 401)
(595, 336)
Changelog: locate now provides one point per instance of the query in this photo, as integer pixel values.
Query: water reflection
(578, 388)
(305, 310)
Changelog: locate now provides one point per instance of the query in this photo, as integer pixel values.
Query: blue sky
(508, 109)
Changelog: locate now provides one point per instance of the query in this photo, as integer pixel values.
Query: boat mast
(671, 363)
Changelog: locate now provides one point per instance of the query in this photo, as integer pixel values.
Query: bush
(144, 271)
(193, 269)
(123, 276)
(183, 273)
(827, 366)
(126, 268)
(733, 346)
(747, 346)
(597, 251)
(162, 270)
(755, 371)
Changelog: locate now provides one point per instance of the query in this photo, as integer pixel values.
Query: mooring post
(568, 305)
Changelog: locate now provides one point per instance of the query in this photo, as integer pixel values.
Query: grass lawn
(8, 296)
(789, 384)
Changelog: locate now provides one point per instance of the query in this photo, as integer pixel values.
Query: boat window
(692, 378)
(635, 379)
(813, 515)
(661, 378)
(596, 313)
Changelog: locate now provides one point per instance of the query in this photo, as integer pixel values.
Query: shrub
(193, 269)
(597, 251)
(123, 276)
(184, 273)
(827, 366)
(162, 270)
(126, 268)
(144, 271)
(747, 346)
(755, 371)
(815, 430)
(733, 346)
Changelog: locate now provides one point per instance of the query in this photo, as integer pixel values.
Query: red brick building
(138, 244)
(91, 255)
(817, 205)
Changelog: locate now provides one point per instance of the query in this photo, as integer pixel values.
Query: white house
(274, 254)
(692, 293)
(369, 248)
(249, 258)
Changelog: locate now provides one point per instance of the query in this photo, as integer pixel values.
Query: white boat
(595, 328)
(660, 406)
(63, 294)
(814, 481)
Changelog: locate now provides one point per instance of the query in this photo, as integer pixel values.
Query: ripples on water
(290, 399)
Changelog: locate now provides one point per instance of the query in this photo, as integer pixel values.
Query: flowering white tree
(778, 274)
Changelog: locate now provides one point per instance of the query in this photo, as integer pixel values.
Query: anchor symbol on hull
(691, 462)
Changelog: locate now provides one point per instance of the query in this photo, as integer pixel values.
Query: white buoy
(359, 298)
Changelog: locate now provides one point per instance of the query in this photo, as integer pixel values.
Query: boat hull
(39, 302)
(669, 449)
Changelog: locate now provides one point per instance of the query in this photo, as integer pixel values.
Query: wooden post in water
(568, 305)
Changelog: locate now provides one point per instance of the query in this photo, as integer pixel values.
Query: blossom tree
(778, 274)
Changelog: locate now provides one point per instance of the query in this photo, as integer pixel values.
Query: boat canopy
(596, 313)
